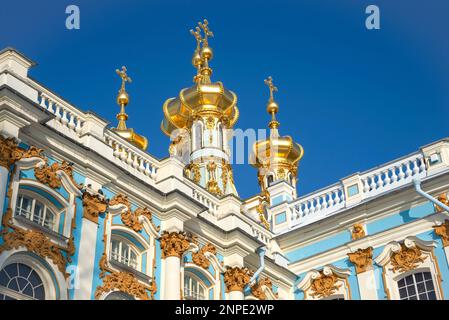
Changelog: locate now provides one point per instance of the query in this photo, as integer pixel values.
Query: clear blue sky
(353, 98)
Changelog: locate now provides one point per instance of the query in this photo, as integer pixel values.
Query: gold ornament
(406, 259)
(123, 282)
(36, 242)
(10, 152)
(236, 278)
(362, 259)
(443, 232)
(256, 289)
(199, 257)
(93, 206)
(48, 174)
(442, 198)
(358, 231)
(324, 285)
(174, 244)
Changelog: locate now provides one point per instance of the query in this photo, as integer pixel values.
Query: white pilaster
(86, 259)
(3, 187)
(172, 279)
(367, 285)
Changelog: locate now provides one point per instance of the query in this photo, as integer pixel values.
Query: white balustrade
(205, 200)
(331, 200)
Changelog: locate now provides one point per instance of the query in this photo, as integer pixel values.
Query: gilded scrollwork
(406, 259)
(324, 285)
(362, 259)
(47, 174)
(36, 242)
(10, 152)
(93, 206)
(236, 278)
(443, 199)
(174, 244)
(124, 282)
(257, 289)
(443, 232)
(199, 258)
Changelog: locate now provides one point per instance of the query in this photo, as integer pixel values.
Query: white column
(446, 251)
(3, 186)
(86, 259)
(367, 285)
(172, 281)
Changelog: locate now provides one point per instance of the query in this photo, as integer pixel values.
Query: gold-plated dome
(123, 100)
(204, 98)
(279, 155)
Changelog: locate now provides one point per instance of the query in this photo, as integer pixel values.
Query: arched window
(36, 211)
(20, 282)
(417, 286)
(193, 288)
(124, 252)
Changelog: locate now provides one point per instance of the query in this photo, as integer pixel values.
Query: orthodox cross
(122, 74)
(269, 83)
(197, 35)
(207, 32)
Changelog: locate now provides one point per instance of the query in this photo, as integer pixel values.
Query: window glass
(18, 281)
(35, 211)
(417, 286)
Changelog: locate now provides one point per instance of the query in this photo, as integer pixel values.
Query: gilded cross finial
(125, 78)
(207, 32)
(197, 35)
(271, 86)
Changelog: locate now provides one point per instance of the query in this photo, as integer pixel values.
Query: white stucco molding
(315, 274)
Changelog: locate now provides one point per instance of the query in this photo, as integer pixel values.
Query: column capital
(236, 278)
(362, 259)
(174, 244)
(443, 231)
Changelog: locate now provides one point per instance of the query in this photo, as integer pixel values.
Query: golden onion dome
(204, 98)
(277, 151)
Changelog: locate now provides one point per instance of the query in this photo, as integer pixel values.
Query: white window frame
(34, 197)
(131, 248)
(189, 292)
(413, 274)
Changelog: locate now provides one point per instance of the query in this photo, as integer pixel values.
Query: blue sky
(353, 98)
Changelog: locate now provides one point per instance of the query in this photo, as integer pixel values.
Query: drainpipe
(261, 251)
(418, 189)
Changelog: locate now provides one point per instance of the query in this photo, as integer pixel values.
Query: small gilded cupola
(122, 100)
(199, 122)
(277, 157)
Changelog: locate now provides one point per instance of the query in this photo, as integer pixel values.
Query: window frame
(47, 204)
(131, 248)
(200, 284)
(18, 295)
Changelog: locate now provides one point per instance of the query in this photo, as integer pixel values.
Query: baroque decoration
(199, 258)
(129, 218)
(443, 232)
(324, 285)
(174, 244)
(236, 278)
(36, 242)
(123, 282)
(257, 289)
(406, 259)
(442, 198)
(358, 231)
(362, 259)
(93, 206)
(10, 152)
(48, 174)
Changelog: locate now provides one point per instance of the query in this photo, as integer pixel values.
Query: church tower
(276, 158)
(198, 120)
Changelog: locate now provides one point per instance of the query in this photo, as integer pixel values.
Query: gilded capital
(362, 259)
(443, 232)
(236, 278)
(174, 244)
